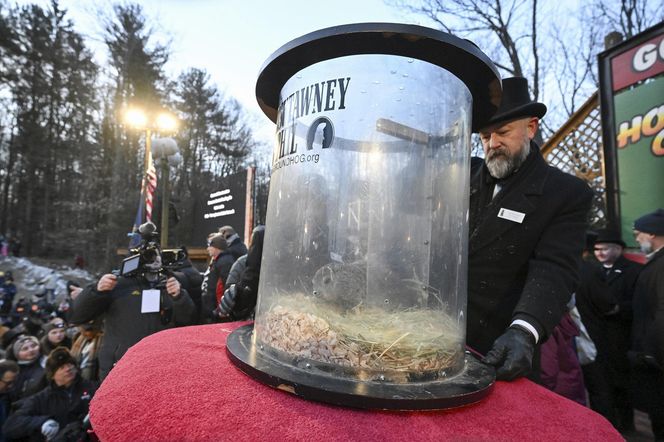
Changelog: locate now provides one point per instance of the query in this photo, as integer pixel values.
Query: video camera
(143, 259)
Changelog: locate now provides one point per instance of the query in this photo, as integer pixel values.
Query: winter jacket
(192, 283)
(247, 287)
(86, 353)
(236, 248)
(235, 274)
(561, 371)
(28, 379)
(648, 332)
(219, 269)
(64, 405)
(124, 324)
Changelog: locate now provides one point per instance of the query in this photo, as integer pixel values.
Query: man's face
(644, 240)
(607, 253)
(213, 251)
(506, 146)
(65, 375)
(7, 381)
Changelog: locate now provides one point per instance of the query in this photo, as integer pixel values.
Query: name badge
(150, 301)
(511, 215)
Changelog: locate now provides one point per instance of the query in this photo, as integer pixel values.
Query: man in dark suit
(604, 301)
(526, 236)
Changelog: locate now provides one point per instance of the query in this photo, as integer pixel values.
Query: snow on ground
(31, 278)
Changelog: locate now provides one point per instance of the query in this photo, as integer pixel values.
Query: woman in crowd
(85, 349)
(54, 336)
(31, 366)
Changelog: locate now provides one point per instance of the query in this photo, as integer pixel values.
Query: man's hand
(76, 291)
(107, 282)
(512, 354)
(173, 287)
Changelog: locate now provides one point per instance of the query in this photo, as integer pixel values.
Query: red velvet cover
(179, 385)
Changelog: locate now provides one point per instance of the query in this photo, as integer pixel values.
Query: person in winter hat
(57, 412)
(647, 352)
(30, 361)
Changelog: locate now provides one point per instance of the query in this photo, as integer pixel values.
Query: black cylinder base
(473, 384)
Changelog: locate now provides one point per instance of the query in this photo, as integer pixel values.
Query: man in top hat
(526, 236)
(605, 304)
(647, 352)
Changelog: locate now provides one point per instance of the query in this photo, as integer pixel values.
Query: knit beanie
(53, 325)
(219, 242)
(652, 223)
(58, 357)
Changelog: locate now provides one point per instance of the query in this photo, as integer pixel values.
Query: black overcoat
(523, 268)
(648, 331)
(648, 336)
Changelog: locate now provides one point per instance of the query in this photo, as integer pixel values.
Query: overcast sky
(231, 39)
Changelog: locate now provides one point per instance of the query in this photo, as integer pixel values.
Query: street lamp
(161, 122)
(166, 150)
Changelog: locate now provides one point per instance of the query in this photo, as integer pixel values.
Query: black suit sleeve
(553, 270)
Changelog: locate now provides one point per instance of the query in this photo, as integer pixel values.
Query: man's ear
(533, 125)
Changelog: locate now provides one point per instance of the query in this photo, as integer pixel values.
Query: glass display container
(362, 293)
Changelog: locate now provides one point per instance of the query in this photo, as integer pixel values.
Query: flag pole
(134, 236)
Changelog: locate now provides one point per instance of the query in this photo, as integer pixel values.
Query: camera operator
(139, 302)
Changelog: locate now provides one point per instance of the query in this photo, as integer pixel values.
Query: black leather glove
(512, 354)
(228, 300)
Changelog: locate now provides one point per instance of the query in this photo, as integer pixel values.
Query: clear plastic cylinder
(364, 261)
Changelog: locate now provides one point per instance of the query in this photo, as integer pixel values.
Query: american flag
(150, 186)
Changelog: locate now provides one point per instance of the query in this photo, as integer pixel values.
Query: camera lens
(149, 255)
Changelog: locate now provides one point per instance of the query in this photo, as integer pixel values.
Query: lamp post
(162, 122)
(167, 151)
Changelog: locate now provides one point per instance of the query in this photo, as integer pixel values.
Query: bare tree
(558, 58)
(506, 30)
(628, 17)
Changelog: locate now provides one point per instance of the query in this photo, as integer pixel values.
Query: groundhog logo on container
(323, 96)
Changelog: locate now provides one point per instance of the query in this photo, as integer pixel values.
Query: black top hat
(609, 236)
(516, 102)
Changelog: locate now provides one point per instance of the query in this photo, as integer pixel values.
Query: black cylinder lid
(460, 57)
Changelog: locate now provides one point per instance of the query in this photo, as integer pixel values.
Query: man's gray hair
(227, 231)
